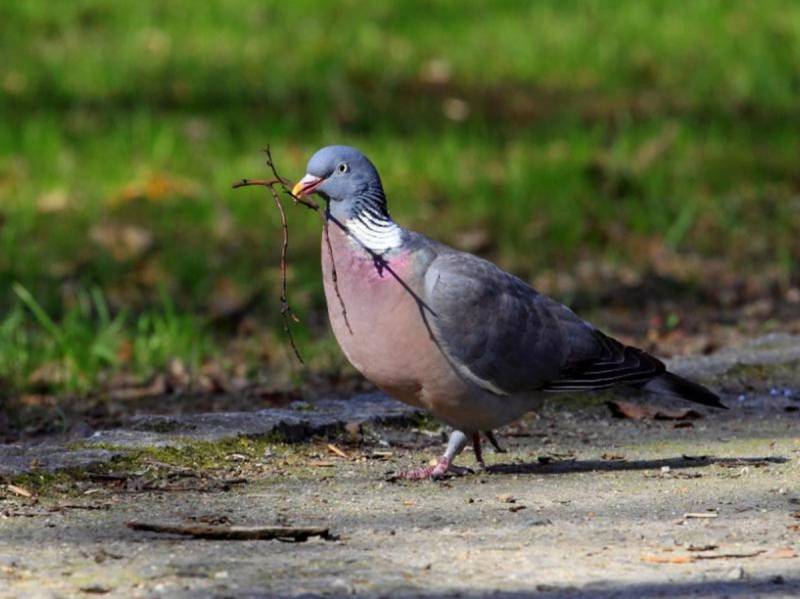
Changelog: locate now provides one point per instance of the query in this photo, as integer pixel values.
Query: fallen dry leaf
(21, 491)
(613, 457)
(52, 202)
(127, 392)
(635, 411)
(123, 241)
(667, 559)
(228, 299)
(49, 374)
(154, 188)
(335, 450)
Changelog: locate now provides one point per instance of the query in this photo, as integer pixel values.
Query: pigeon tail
(672, 384)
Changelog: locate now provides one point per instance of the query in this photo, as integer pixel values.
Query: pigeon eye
(342, 168)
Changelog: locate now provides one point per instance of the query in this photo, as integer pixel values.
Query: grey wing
(504, 336)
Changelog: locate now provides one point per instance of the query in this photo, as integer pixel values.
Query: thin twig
(264, 182)
(286, 311)
(297, 534)
(334, 276)
(309, 203)
(283, 183)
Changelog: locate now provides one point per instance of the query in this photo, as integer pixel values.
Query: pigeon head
(345, 178)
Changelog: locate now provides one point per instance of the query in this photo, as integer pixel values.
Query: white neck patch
(377, 235)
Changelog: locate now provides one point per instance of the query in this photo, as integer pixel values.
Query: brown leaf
(52, 202)
(49, 374)
(613, 457)
(126, 392)
(335, 450)
(21, 491)
(123, 241)
(635, 411)
(667, 559)
(155, 188)
(228, 299)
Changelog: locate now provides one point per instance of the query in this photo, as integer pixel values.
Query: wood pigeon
(449, 332)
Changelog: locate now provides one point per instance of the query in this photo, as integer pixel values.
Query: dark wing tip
(672, 384)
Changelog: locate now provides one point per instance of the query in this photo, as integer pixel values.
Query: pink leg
(443, 465)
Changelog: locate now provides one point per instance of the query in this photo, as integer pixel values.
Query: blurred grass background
(588, 146)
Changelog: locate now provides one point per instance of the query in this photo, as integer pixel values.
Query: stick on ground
(297, 534)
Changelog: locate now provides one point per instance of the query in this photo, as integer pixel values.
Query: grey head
(346, 180)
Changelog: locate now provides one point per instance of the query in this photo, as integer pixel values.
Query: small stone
(737, 573)
(540, 522)
(96, 589)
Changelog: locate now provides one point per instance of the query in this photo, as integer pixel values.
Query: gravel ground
(583, 504)
(597, 507)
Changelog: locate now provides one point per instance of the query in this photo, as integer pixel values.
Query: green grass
(86, 343)
(594, 130)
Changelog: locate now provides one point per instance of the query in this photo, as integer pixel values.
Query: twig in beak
(286, 310)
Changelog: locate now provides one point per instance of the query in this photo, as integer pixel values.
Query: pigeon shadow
(679, 463)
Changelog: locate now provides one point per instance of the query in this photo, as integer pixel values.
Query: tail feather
(672, 384)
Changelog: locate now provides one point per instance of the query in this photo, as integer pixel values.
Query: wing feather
(504, 336)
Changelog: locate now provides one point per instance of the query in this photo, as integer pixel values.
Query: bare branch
(281, 182)
(297, 534)
(264, 182)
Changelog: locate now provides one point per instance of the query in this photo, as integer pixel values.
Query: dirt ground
(583, 504)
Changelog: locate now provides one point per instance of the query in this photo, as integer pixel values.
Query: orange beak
(306, 185)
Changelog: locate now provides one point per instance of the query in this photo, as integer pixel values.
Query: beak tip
(306, 185)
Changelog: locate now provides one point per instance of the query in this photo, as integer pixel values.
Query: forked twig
(313, 206)
(283, 183)
(286, 310)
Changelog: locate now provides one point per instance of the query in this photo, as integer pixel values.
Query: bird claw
(442, 469)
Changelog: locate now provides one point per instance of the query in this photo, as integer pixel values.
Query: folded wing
(506, 337)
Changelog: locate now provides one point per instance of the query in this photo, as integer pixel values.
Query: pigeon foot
(438, 471)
